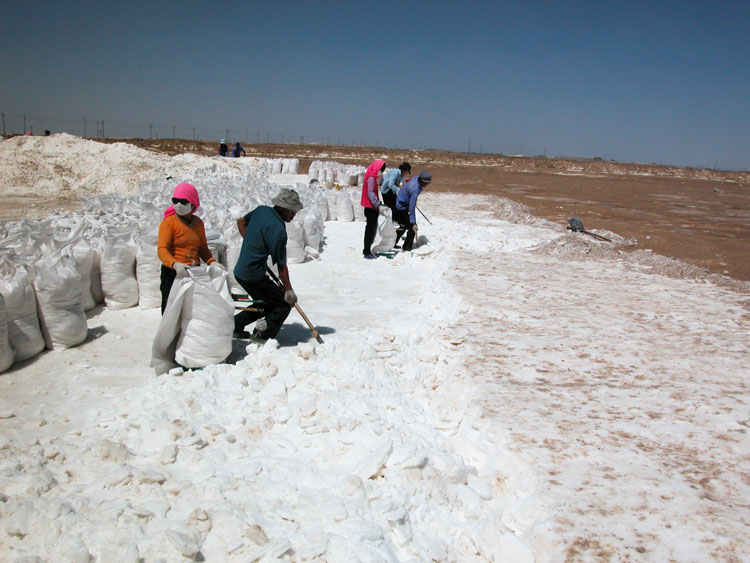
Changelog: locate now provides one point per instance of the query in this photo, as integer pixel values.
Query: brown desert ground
(698, 216)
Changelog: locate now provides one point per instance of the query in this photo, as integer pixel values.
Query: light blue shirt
(391, 180)
(407, 198)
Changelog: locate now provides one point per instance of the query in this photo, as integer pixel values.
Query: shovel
(575, 225)
(314, 332)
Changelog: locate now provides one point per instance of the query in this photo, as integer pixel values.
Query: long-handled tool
(575, 225)
(314, 332)
(423, 215)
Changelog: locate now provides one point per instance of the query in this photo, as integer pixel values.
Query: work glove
(219, 265)
(180, 269)
(290, 297)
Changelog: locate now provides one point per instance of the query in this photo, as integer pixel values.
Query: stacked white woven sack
(54, 270)
(329, 173)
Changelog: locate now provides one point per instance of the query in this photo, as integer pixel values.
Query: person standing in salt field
(182, 239)
(392, 181)
(406, 207)
(372, 204)
(263, 232)
(237, 150)
(223, 148)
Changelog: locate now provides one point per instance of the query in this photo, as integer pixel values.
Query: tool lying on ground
(423, 215)
(314, 332)
(575, 225)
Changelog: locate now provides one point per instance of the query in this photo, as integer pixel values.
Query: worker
(406, 207)
(371, 202)
(237, 150)
(264, 234)
(392, 181)
(223, 148)
(182, 239)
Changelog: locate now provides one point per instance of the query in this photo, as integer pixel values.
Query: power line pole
(193, 133)
(150, 131)
(257, 136)
(173, 133)
(3, 124)
(102, 128)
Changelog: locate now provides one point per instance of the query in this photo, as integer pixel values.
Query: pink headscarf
(373, 169)
(184, 191)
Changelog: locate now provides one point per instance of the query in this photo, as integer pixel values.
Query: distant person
(263, 232)
(237, 150)
(182, 239)
(46, 133)
(372, 204)
(406, 207)
(223, 148)
(392, 181)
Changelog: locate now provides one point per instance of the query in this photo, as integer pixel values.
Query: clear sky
(632, 81)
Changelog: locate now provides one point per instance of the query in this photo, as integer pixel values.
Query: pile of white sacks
(329, 173)
(54, 270)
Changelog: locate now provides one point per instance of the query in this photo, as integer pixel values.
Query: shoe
(241, 335)
(397, 246)
(370, 257)
(257, 338)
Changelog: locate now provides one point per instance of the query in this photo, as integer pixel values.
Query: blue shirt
(391, 180)
(407, 197)
(265, 236)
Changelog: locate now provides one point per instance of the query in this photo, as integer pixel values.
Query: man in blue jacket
(406, 207)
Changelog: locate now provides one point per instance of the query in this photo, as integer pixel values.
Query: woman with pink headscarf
(182, 239)
(372, 204)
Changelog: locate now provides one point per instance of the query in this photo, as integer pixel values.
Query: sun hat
(223, 141)
(425, 177)
(288, 199)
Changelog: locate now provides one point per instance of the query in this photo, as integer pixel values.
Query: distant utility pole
(193, 133)
(266, 137)
(97, 128)
(150, 130)
(174, 135)
(301, 139)
(257, 135)
(3, 125)
(24, 123)
(102, 128)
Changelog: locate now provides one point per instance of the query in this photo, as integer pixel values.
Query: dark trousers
(167, 279)
(275, 309)
(405, 226)
(370, 229)
(389, 198)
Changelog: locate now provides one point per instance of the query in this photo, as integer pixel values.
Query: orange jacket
(180, 243)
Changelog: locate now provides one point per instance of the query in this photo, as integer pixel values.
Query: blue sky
(650, 82)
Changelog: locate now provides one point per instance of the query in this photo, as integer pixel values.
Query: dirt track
(701, 217)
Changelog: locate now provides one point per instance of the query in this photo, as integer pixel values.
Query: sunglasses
(178, 200)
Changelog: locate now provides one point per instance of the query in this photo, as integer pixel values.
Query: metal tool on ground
(314, 332)
(575, 225)
(423, 215)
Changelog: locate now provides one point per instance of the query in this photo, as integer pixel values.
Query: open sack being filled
(198, 321)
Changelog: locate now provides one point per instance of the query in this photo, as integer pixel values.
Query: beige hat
(288, 199)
